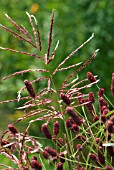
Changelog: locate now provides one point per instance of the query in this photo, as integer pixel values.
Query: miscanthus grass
(84, 144)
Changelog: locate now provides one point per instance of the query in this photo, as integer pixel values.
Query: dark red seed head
(34, 158)
(12, 129)
(101, 157)
(110, 126)
(110, 150)
(46, 131)
(81, 138)
(56, 128)
(89, 106)
(108, 136)
(74, 116)
(80, 98)
(62, 157)
(93, 157)
(51, 151)
(45, 154)
(103, 118)
(101, 92)
(79, 147)
(65, 98)
(95, 119)
(102, 102)
(29, 88)
(91, 97)
(36, 165)
(69, 122)
(75, 128)
(60, 140)
(105, 111)
(59, 166)
(108, 168)
(90, 77)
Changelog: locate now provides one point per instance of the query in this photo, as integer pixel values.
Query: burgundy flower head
(65, 98)
(74, 116)
(46, 131)
(90, 77)
(29, 88)
(12, 129)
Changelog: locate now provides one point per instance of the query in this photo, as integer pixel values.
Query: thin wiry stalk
(15, 24)
(52, 55)
(67, 58)
(21, 52)
(26, 33)
(37, 38)
(30, 115)
(32, 25)
(72, 66)
(25, 71)
(46, 117)
(15, 100)
(17, 35)
(80, 82)
(75, 90)
(50, 35)
(80, 68)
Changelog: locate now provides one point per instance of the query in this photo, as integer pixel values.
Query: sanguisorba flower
(59, 166)
(110, 150)
(12, 129)
(74, 115)
(65, 98)
(36, 165)
(75, 128)
(29, 88)
(69, 122)
(46, 131)
(45, 154)
(101, 92)
(90, 77)
(108, 168)
(79, 147)
(62, 157)
(93, 157)
(91, 97)
(101, 157)
(110, 126)
(51, 151)
(56, 128)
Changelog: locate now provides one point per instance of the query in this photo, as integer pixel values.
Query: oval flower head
(74, 116)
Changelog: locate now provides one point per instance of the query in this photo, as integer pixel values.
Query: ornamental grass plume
(76, 123)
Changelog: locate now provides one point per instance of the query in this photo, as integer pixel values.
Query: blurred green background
(75, 21)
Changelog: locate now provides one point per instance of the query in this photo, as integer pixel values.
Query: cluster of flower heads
(84, 143)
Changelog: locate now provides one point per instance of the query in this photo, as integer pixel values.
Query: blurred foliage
(75, 21)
